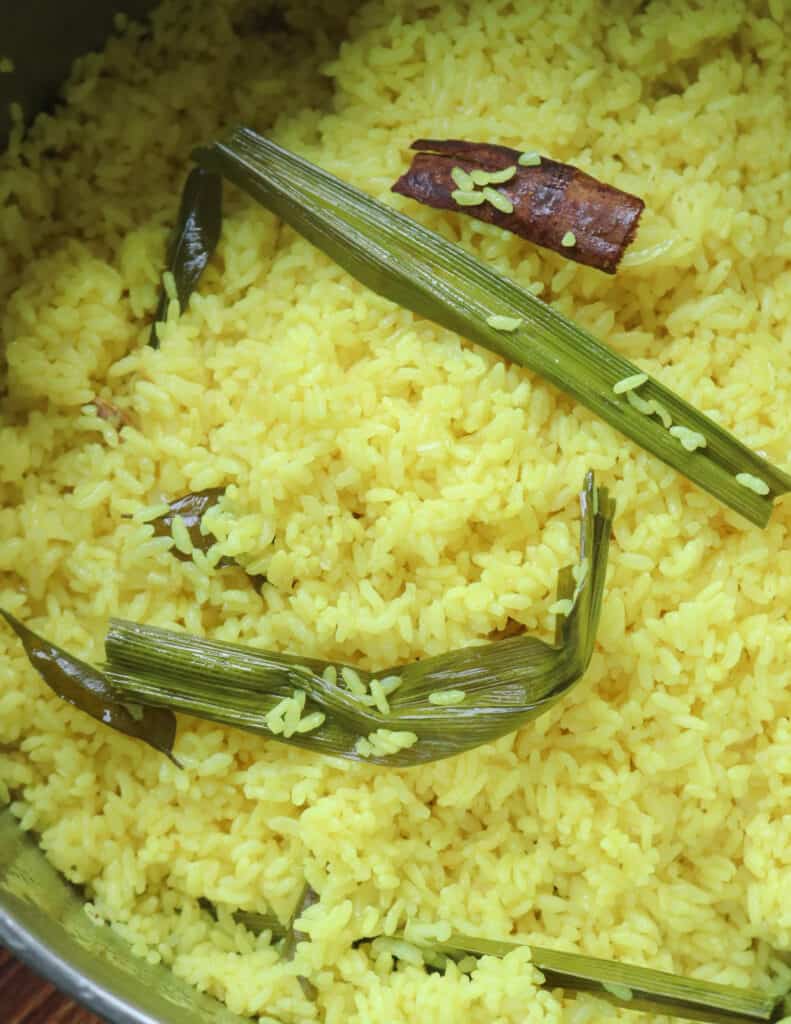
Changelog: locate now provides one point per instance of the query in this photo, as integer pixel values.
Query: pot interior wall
(43, 38)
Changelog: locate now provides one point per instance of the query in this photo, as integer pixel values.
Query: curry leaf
(191, 508)
(86, 688)
(193, 241)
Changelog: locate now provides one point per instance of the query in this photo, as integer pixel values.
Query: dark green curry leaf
(87, 689)
(194, 240)
(191, 508)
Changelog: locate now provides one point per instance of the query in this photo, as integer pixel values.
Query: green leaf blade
(416, 268)
(648, 989)
(505, 684)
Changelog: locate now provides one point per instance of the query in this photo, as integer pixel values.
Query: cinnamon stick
(554, 205)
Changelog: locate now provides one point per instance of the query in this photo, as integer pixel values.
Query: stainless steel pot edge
(43, 921)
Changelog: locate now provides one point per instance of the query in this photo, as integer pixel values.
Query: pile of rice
(407, 493)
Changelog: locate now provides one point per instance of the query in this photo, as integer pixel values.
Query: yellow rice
(407, 493)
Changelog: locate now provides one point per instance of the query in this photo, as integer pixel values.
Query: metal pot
(42, 917)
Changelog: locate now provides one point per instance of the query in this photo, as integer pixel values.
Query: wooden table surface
(27, 999)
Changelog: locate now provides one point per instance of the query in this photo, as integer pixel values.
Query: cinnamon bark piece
(553, 203)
